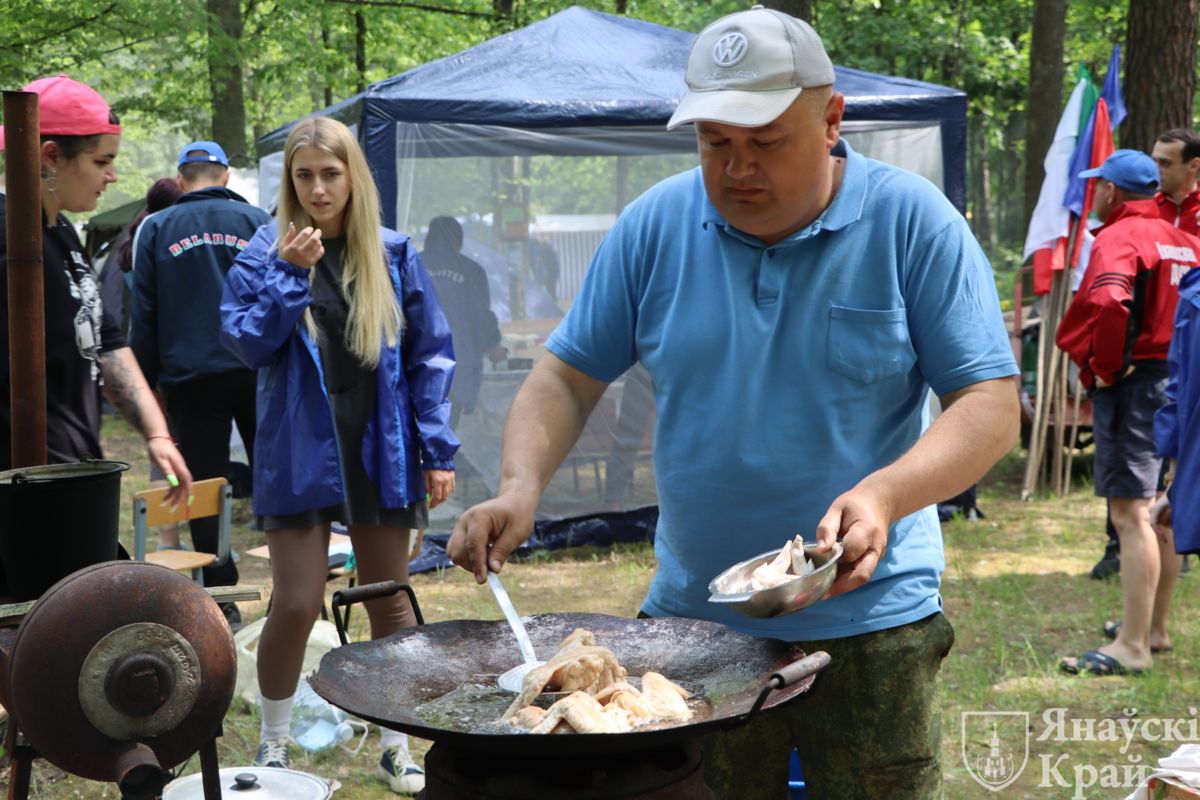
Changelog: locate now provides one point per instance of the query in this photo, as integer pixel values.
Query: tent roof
(577, 67)
(583, 68)
(115, 218)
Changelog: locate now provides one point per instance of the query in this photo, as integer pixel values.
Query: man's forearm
(126, 388)
(978, 425)
(545, 421)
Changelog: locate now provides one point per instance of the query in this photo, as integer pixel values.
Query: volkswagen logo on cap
(729, 49)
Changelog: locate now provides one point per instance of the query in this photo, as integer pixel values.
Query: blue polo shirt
(784, 374)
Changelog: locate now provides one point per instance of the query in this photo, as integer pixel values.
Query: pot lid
(253, 783)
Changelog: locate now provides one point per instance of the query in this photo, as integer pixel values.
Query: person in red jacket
(1117, 330)
(1177, 154)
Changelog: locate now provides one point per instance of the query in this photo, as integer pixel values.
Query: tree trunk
(1045, 92)
(503, 12)
(225, 79)
(328, 90)
(360, 49)
(951, 65)
(977, 152)
(622, 6)
(800, 9)
(1009, 219)
(1160, 72)
(322, 92)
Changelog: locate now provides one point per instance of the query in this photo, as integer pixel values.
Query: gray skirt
(414, 516)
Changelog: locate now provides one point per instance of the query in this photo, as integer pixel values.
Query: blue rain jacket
(1177, 424)
(296, 464)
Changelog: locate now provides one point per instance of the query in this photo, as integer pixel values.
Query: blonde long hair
(375, 316)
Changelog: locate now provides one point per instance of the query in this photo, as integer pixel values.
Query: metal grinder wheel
(140, 680)
(121, 670)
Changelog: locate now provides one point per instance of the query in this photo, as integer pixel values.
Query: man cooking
(793, 302)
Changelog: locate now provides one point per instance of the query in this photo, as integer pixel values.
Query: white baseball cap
(747, 68)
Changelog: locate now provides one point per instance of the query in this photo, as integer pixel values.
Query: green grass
(1018, 593)
(1016, 588)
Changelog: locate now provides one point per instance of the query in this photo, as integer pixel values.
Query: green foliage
(1006, 263)
(150, 58)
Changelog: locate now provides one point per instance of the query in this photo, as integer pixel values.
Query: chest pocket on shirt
(867, 345)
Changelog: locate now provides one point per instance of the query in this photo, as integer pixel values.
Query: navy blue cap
(204, 153)
(1131, 170)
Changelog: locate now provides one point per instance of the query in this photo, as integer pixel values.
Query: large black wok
(437, 681)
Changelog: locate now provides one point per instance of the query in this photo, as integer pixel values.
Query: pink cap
(69, 108)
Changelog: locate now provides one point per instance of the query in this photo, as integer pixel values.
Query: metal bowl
(786, 598)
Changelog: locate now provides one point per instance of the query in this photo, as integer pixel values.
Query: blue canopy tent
(578, 95)
(585, 82)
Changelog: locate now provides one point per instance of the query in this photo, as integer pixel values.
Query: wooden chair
(214, 497)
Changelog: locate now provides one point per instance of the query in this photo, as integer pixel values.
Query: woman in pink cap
(85, 346)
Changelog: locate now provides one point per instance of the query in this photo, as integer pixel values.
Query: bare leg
(1140, 570)
(299, 564)
(381, 554)
(1168, 576)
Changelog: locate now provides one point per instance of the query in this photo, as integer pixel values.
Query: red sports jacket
(1181, 215)
(1124, 310)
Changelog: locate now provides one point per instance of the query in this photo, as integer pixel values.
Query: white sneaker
(398, 770)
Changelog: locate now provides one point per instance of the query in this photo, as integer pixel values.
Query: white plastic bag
(322, 639)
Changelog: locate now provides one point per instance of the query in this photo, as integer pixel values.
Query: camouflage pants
(870, 728)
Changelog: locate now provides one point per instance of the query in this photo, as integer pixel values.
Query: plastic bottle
(317, 725)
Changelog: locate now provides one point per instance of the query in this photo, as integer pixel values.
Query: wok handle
(791, 674)
(369, 591)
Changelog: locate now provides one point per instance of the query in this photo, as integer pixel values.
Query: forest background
(233, 70)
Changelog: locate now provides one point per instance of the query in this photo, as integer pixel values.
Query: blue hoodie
(296, 464)
(1177, 424)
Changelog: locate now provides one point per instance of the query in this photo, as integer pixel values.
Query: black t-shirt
(331, 312)
(77, 330)
(349, 384)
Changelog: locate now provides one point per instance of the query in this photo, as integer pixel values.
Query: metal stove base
(673, 772)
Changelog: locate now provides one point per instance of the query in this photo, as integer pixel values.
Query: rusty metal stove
(118, 672)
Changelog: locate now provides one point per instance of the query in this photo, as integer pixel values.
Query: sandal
(1111, 629)
(1096, 663)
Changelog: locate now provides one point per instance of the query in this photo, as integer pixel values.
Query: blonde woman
(355, 361)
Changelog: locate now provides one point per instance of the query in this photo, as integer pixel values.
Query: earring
(51, 180)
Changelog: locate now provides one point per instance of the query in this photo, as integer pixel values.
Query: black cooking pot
(56, 519)
(437, 681)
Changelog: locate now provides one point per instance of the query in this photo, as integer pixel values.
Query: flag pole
(1074, 435)
(1073, 245)
(1029, 484)
(1048, 370)
(1037, 436)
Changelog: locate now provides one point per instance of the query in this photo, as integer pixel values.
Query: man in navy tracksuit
(180, 258)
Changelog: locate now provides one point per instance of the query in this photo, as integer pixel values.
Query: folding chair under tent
(534, 141)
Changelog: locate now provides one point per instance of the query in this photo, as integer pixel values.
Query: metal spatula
(511, 681)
